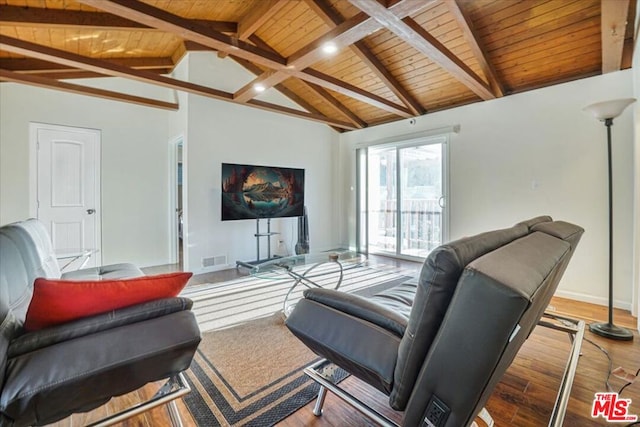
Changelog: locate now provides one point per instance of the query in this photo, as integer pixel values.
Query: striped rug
(250, 375)
(225, 304)
(248, 370)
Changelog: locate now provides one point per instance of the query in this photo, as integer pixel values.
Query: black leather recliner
(437, 346)
(49, 374)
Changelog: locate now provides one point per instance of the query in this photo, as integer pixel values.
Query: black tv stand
(258, 235)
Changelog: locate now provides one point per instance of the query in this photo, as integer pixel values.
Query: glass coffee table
(306, 269)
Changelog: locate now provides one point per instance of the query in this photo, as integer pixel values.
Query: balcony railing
(420, 222)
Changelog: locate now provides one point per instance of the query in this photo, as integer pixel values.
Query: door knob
(91, 211)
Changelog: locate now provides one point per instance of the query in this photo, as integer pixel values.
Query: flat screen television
(255, 192)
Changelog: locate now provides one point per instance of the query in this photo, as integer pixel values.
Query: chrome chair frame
(174, 388)
(573, 327)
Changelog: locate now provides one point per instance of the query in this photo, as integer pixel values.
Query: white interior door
(68, 187)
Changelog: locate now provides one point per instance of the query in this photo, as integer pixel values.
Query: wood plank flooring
(523, 398)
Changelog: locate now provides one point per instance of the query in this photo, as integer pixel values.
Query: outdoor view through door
(402, 197)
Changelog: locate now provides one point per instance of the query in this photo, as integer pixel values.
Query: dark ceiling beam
(184, 28)
(412, 33)
(337, 105)
(37, 66)
(328, 82)
(43, 82)
(256, 17)
(82, 74)
(58, 56)
(45, 53)
(319, 91)
(345, 34)
(282, 89)
(249, 66)
(613, 20)
(308, 55)
(32, 16)
(473, 40)
(331, 17)
(187, 46)
(187, 29)
(300, 114)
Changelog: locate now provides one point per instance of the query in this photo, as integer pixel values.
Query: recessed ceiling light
(259, 87)
(329, 48)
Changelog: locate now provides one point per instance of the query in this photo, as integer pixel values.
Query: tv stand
(258, 235)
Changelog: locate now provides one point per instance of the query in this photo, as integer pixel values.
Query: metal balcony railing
(420, 226)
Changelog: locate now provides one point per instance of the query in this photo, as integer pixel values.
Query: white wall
(220, 132)
(134, 162)
(530, 154)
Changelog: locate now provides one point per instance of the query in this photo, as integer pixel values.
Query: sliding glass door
(402, 192)
(382, 194)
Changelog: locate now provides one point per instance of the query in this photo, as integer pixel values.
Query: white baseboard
(578, 296)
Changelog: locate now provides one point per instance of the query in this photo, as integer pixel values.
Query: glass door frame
(362, 199)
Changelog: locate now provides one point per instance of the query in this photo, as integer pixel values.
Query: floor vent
(214, 260)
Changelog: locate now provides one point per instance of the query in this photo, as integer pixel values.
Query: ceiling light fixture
(329, 48)
(259, 87)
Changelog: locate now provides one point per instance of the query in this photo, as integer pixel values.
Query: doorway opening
(177, 214)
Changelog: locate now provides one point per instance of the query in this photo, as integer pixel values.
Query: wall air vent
(214, 260)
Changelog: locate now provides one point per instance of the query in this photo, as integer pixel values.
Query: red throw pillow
(60, 301)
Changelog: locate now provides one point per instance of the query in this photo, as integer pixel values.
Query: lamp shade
(609, 109)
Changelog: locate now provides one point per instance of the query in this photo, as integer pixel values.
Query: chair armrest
(83, 373)
(360, 307)
(100, 322)
(105, 272)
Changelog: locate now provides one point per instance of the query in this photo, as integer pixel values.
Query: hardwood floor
(523, 398)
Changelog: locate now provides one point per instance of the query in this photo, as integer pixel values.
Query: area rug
(250, 375)
(225, 304)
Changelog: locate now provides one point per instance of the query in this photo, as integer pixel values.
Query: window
(401, 193)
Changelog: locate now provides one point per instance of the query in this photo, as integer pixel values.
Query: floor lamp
(606, 112)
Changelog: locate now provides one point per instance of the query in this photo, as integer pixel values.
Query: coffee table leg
(341, 274)
(301, 278)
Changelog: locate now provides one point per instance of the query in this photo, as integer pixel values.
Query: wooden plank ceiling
(392, 59)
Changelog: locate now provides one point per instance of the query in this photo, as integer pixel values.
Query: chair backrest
(8, 324)
(15, 288)
(436, 285)
(26, 253)
(498, 300)
(39, 249)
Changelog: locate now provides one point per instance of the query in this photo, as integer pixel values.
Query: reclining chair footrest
(314, 374)
(174, 388)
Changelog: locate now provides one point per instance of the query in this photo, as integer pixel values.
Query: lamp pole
(608, 122)
(606, 112)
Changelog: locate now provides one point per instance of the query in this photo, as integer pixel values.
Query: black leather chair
(437, 346)
(49, 374)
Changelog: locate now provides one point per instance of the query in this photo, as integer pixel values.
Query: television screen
(253, 192)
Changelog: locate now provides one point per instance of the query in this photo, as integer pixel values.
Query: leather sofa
(438, 345)
(48, 374)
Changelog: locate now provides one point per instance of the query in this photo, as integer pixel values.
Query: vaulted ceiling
(391, 59)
